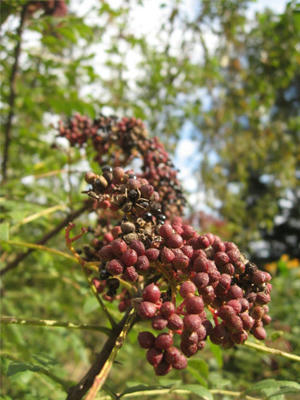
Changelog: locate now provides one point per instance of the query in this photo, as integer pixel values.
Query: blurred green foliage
(240, 95)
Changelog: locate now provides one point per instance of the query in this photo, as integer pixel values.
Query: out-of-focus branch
(12, 93)
(99, 370)
(13, 264)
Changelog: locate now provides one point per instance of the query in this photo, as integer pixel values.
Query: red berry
(187, 288)
(163, 368)
(163, 341)
(151, 293)
(152, 254)
(259, 332)
(194, 305)
(201, 280)
(175, 323)
(138, 246)
(191, 322)
(129, 257)
(106, 253)
(167, 309)
(154, 356)
(166, 255)
(174, 241)
(146, 340)
(119, 247)
(114, 267)
(166, 230)
(159, 323)
(143, 263)
(181, 262)
(146, 309)
(130, 274)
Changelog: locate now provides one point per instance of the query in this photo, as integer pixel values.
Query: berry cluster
(189, 286)
(117, 142)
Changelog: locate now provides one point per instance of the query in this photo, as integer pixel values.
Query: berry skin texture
(167, 309)
(143, 263)
(191, 322)
(129, 257)
(166, 230)
(174, 241)
(163, 368)
(119, 247)
(152, 254)
(146, 340)
(151, 293)
(114, 267)
(187, 288)
(194, 305)
(154, 356)
(146, 309)
(163, 341)
(175, 323)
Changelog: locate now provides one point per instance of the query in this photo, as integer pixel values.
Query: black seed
(148, 216)
(113, 283)
(133, 194)
(104, 275)
(132, 176)
(106, 168)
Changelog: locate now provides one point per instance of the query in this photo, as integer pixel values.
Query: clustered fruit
(188, 286)
(117, 142)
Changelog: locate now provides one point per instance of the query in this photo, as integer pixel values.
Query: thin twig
(8, 320)
(70, 217)
(39, 247)
(12, 93)
(37, 215)
(271, 350)
(156, 392)
(77, 392)
(103, 374)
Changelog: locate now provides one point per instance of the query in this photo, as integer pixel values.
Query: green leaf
(271, 387)
(16, 367)
(4, 231)
(217, 352)
(199, 391)
(199, 365)
(91, 304)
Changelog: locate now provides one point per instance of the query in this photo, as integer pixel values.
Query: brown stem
(78, 391)
(13, 264)
(12, 94)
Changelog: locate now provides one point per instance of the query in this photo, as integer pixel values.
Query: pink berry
(146, 309)
(187, 288)
(163, 341)
(119, 247)
(154, 356)
(114, 267)
(167, 309)
(129, 257)
(174, 241)
(146, 340)
(152, 254)
(194, 305)
(151, 293)
(138, 246)
(143, 263)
